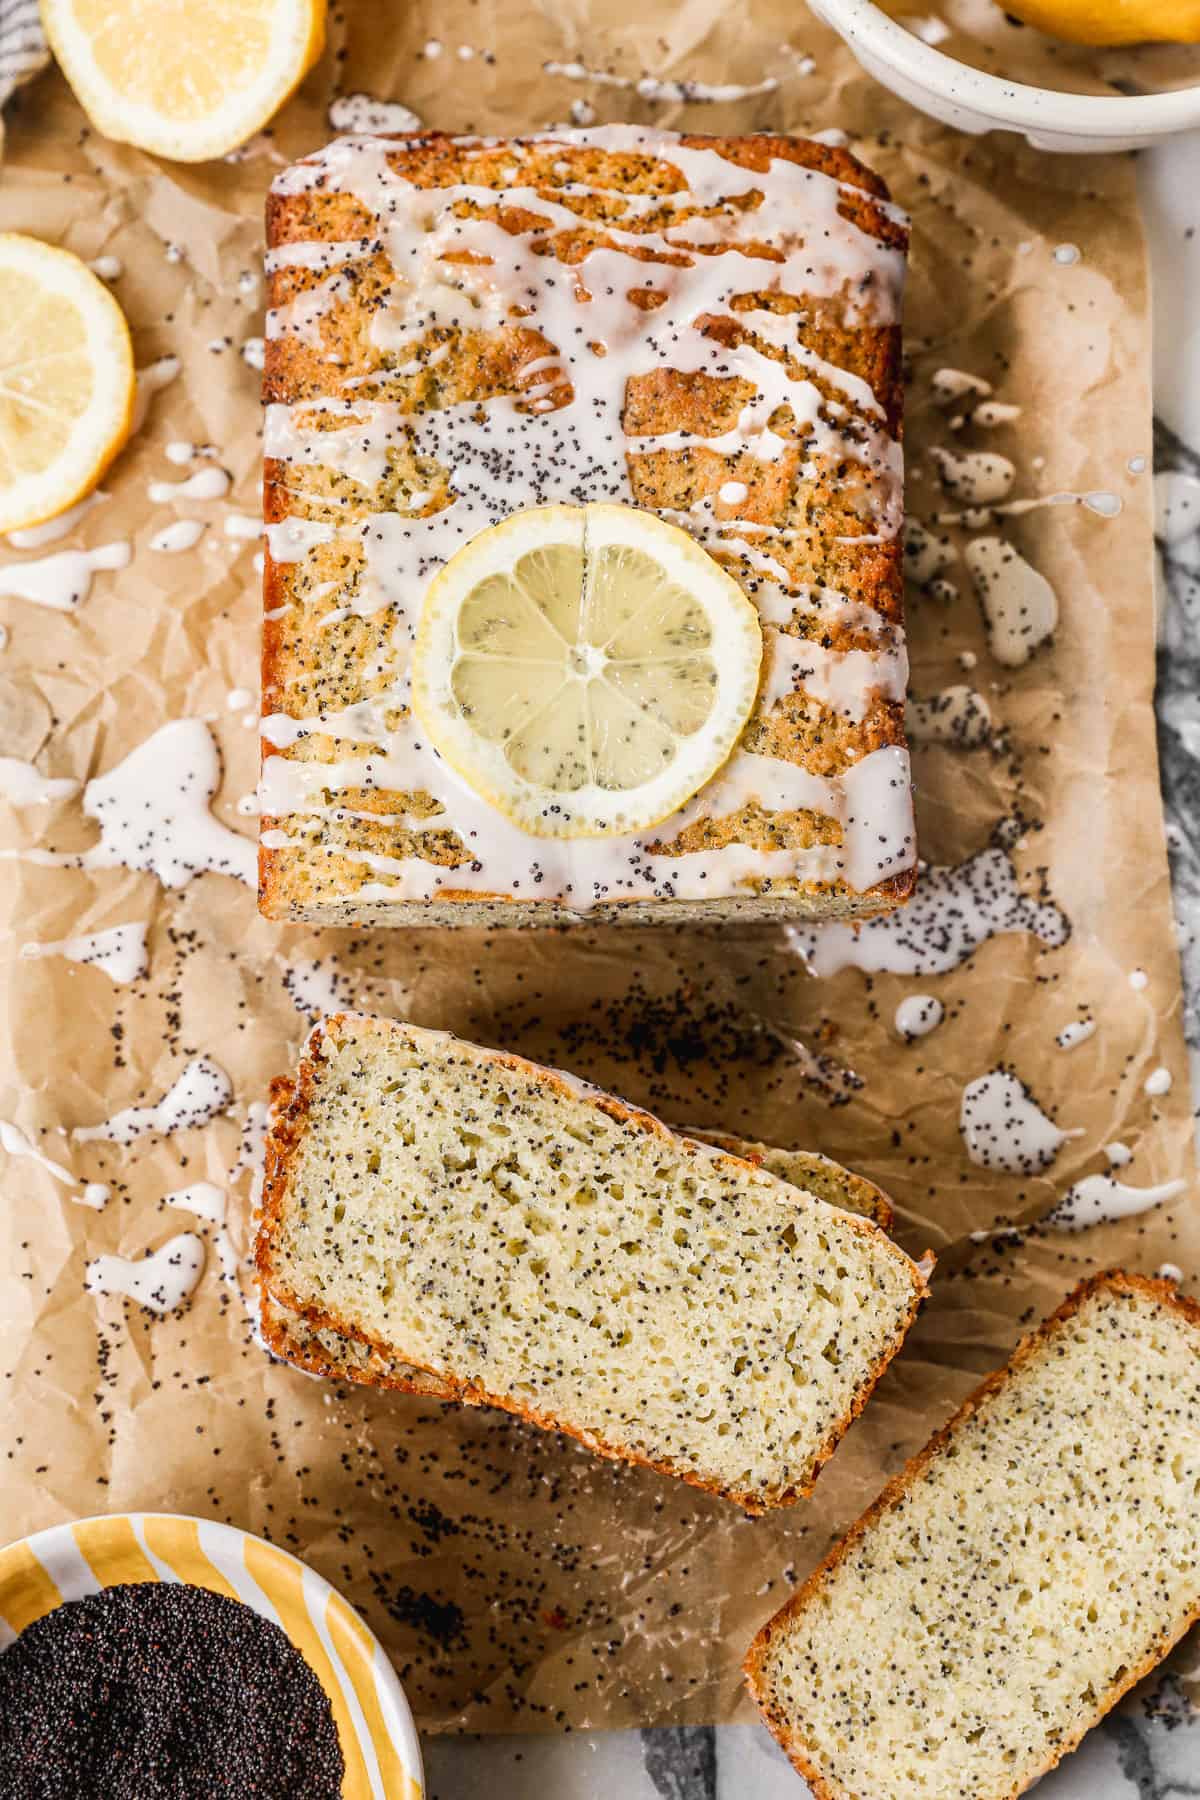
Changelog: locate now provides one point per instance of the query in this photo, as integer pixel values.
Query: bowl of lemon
(1069, 75)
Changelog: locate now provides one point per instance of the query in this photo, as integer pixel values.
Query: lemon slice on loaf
(66, 380)
(188, 79)
(585, 668)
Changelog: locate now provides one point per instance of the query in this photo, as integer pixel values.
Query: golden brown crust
(318, 876)
(1115, 1281)
(283, 1140)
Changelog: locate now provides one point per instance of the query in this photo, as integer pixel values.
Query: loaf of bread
(533, 1244)
(1030, 1565)
(461, 328)
(343, 1357)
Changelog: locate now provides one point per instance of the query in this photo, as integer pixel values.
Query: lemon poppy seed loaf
(533, 1244)
(705, 329)
(1036, 1559)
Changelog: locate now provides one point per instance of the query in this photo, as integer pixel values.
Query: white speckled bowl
(68, 1562)
(975, 101)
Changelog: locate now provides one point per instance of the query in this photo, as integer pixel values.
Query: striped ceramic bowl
(379, 1741)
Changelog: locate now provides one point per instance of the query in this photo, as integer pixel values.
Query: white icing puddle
(108, 268)
(956, 715)
(14, 1142)
(150, 381)
(35, 537)
(21, 784)
(1157, 1083)
(656, 88)
(254, 352)
(316, 988)
(153, 813)
(363, 113)
(62, 581)
(1003, 1127)
(183, 534)
(977, 477)
(1118, 1155)
(918, 1015)
(952, 913)
(1020, 608)
(1076, 1033)
(212, 483)
(120, 951)
(201, 1092)
(926, 554)
(1099, 1199)
(205, 1200)
(160, 1281)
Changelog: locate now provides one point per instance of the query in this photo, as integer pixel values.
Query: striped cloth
(23, 48)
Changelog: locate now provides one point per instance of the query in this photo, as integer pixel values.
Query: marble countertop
(1145, 1750)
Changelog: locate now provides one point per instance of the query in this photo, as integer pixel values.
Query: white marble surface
(1148, 1750)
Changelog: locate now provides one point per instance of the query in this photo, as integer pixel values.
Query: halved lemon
(66, 380)
(585, 668)
(188, 79)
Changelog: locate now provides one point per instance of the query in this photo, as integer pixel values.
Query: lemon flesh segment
(66, 380)
(587, 669)
(188, 79)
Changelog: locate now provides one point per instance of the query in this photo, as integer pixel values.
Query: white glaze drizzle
(34, 537)
(62, 581)
(316, 988)
(150, 381)
(15, 1143)
(153, 813)
(956, 715)
(120, 951)
(1159, 1081)
(205, 1200)
(952, 913)
(363, 113)
(1020, 608)
(211, 483)
(917, 1015)
(418, 226)
(1077, 1032)
(1118, 1155)
(181, 534)
(664, 89)
(23, 784)
(160, 1281)
(1100, 1199)
(199, 1093)
(1003, 1127)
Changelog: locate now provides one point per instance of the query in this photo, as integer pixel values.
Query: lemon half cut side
(66, 380)
(187, 79)
(587, 669)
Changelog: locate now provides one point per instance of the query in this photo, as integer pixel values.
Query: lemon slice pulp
(585, 668)
(188, 79)
(66, 380)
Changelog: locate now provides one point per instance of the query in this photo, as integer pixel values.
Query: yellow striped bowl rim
(68, 1562)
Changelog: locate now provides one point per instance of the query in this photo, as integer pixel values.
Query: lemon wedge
(66, 380)
(1112, 21)
(585, 668)
(188, 79)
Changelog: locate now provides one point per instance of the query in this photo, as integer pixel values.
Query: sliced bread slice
(344, 1357)
(536, 1245)
(1029, 1565)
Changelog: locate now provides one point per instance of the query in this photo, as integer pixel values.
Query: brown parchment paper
(517, 1581)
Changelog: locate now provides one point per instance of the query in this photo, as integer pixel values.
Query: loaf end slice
(1031, 1564)
(532, 1244)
